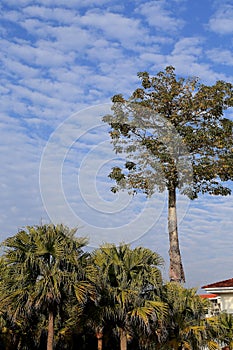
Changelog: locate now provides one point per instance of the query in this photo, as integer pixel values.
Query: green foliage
(43, 268)
(186, 323)
(224, 329)
(116, 292)
(131, 282)
(173, 132)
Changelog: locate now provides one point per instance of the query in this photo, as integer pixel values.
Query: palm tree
(224, 323)
(185, 326)
(44, 267)
(129, 279)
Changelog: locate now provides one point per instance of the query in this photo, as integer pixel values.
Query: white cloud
(105, 51)
(156, 60)
(210, 236)
(187, 57)
(63, 3)
(127, 31)
(15, 68)
(222, 21)
(218, 55)
(159, 15)
(71, 38)
(56, 14)
(37, 55)
(190, 46)
(12, 15)
(19, 159)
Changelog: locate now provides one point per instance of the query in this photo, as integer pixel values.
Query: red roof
(221, 284)
(208, 296)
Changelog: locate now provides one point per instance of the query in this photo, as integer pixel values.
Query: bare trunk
(176, 272)
(99, 336)
(123, 339)
(50, 331)
(100, 343)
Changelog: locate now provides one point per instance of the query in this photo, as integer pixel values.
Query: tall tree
(44, 267)
(174, 136)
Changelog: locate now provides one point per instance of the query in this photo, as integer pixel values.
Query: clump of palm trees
(56, 295)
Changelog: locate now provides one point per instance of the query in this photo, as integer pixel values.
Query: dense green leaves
(174, 134)
(43, 267)
(132, 283)
(170, 118)
(186, 320)
(114, 298)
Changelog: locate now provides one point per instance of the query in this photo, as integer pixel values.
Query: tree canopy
(53, 292)
(43, 268)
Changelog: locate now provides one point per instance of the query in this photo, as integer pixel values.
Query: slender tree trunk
(176, 272)
(50, 331)
(100, 343)
(123, 339)
(99, 336)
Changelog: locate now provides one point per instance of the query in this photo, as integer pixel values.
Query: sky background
(61, 62)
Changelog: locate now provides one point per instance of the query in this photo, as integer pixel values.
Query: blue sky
(61, 61)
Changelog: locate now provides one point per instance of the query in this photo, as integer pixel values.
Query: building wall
(227, 302)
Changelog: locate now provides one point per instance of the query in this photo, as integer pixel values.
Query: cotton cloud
(115, 26)
(37, 55)
(18, 191)
(16, 68)
(224, 57)
(212, 238)
(159, 15)
(186, 56)
(63, 3)
(190, 46)
(222, 21)
(54, 14)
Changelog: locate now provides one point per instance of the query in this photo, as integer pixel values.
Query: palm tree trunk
(99, 336)
(123, 339)
(100, 343)
(50, 331)
(176, 272)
